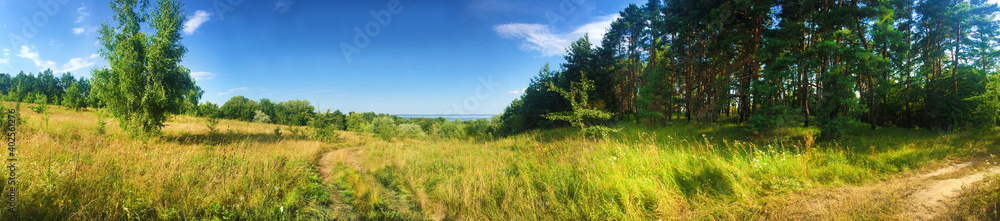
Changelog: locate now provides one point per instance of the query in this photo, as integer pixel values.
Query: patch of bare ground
(349, 156)
(920, 195)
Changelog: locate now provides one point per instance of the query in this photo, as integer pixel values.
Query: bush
(773, 118)
(211, 124)
(261, 117)
(356, 123)
(411, 131)
(42, 104)
(834, 128)
(326, 134)
(383, 127)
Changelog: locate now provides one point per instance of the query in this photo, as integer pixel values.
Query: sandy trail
(926, 195)
(934, 196)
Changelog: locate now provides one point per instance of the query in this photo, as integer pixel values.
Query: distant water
(450, 117)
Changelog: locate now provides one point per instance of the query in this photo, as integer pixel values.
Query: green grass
(681, 171)
(244, 171)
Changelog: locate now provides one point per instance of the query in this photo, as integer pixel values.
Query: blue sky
(413, 57)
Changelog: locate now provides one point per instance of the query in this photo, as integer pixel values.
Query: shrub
(356, 123)
(211, 123)
(383, 127)
(42, 104)
(411, 131)
(772, 118)
(261, 117)
(834, 128)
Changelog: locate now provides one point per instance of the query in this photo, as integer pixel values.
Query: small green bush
(261, 117)
(383, 127)
(411, 131)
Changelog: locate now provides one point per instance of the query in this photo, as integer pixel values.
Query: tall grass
(681, 171)
(247, 171)
(67, 171)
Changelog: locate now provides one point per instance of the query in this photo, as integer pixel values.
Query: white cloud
(202, 75)
(230, 91)
(541, 38)
(83, 14)
(282, 6)
(86, 29)
(6, 55)
(518, 91)
(74, 64)
(194, 22)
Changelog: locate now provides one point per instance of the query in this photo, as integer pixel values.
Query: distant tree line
(302, 113)
(64, 90)
(773, 63)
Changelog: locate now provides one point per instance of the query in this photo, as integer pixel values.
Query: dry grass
(66, 170)
(244, 171)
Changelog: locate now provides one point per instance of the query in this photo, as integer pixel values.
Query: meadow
(70, 168)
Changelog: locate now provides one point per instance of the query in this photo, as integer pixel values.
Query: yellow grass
(244, 171)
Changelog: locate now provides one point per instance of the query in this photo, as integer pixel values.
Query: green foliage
(212, 124)
(208, 109)
(356, 123)
(771, 118)
(989, 108)
(582, 116)
(145, 82)
(835, 128)
(41, 104)
(260, 117)
(384, 127)
(411, 131)
(101, 127)
(295, 112)
(73, 98)
(239, 108)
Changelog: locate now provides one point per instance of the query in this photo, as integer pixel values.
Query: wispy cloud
(517, 91)
(234, 90)
(194, 22)
(83, 14)
(86, 29)
(541, 38)
(74, 64)
(202, 75)
(282, 6)
(6, 57)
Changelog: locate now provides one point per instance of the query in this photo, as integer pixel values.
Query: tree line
(772, 63)
(302, 113)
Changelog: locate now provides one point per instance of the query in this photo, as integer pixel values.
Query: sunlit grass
(681, 171)
(246, 171)
(67, 170)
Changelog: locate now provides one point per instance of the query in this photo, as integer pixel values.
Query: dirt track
(921, 195)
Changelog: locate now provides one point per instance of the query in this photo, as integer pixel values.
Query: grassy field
(68, 170)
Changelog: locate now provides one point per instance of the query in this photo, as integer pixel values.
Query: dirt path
(923, 195)
(933, 197)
